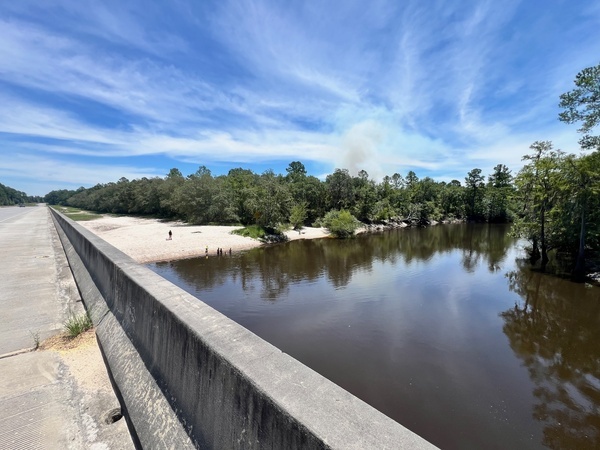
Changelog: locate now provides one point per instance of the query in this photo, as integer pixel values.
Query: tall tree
(365, 196)
(452, 200)
(474, 189)
(172, 182)
(194, 199)
(271, 201)
(498, 194)
(582, 104)
(537, 187)
(340, 189)
(397, 180)
(242, 183)
(411, 179)
(295, 170)
(582, 176)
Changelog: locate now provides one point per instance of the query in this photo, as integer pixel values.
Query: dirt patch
(64, 343)
(82, 356)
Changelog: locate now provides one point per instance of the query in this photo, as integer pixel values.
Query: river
(444, 329)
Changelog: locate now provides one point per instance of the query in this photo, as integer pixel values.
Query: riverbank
(147, 240)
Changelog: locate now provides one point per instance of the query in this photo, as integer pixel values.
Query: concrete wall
(191, 377)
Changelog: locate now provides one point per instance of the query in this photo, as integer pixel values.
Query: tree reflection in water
(378, 312)
(269, 271)
(555, 331)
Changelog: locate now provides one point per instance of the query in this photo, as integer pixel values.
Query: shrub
(265, 234)
(251, 231)
(341, 224)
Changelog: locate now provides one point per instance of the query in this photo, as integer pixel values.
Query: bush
(265, 234)
(341, 224)
(251, 231)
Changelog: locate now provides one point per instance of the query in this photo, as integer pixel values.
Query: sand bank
(146, 240)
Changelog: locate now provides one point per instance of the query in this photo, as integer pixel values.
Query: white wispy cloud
(388, 88)
(51, 173)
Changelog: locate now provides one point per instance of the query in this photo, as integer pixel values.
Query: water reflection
(415, 322)
(554, 329)
(271, 270)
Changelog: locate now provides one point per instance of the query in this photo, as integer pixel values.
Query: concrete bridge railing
(189, 377)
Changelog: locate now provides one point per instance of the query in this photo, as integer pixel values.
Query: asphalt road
(9, 212)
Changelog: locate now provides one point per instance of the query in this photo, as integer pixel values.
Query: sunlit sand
(147, 240)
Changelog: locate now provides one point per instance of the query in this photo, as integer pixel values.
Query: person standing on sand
(170, 235)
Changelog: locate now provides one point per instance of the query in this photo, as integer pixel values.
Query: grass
(77, 214)
(36, 339)
(76, 325)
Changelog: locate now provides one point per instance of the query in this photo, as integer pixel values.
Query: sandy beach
(146, 240)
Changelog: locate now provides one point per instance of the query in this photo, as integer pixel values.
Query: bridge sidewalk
(56, 398)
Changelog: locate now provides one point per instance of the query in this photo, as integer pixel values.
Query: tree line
(10, 196)
(299, 199)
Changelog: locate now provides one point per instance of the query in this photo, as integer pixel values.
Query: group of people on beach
(219, 250)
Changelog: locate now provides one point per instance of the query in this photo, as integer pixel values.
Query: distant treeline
(10, 196)
(268, 199)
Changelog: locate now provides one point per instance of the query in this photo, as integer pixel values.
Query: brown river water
(444, 329)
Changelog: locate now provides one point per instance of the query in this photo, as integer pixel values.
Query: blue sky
(91, 91)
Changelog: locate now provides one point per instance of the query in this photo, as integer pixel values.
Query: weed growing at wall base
(76, 325)
(36, 339)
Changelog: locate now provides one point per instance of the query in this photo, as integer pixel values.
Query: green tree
(411, 179)
(365, 196)
(452, 201)
(194, 200)
(340, 189)
(385, 195)
(56, 197)
(397, 181)
(499, 193)
(306, 190)
(580, 192)
(270, 202)
(146, 196)
(172, 182)
(242, 185)
(298, 215)
(537, 185)
(582, 104)
(410, 208)
(424, 196)
(474, 194)
(296, 171)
